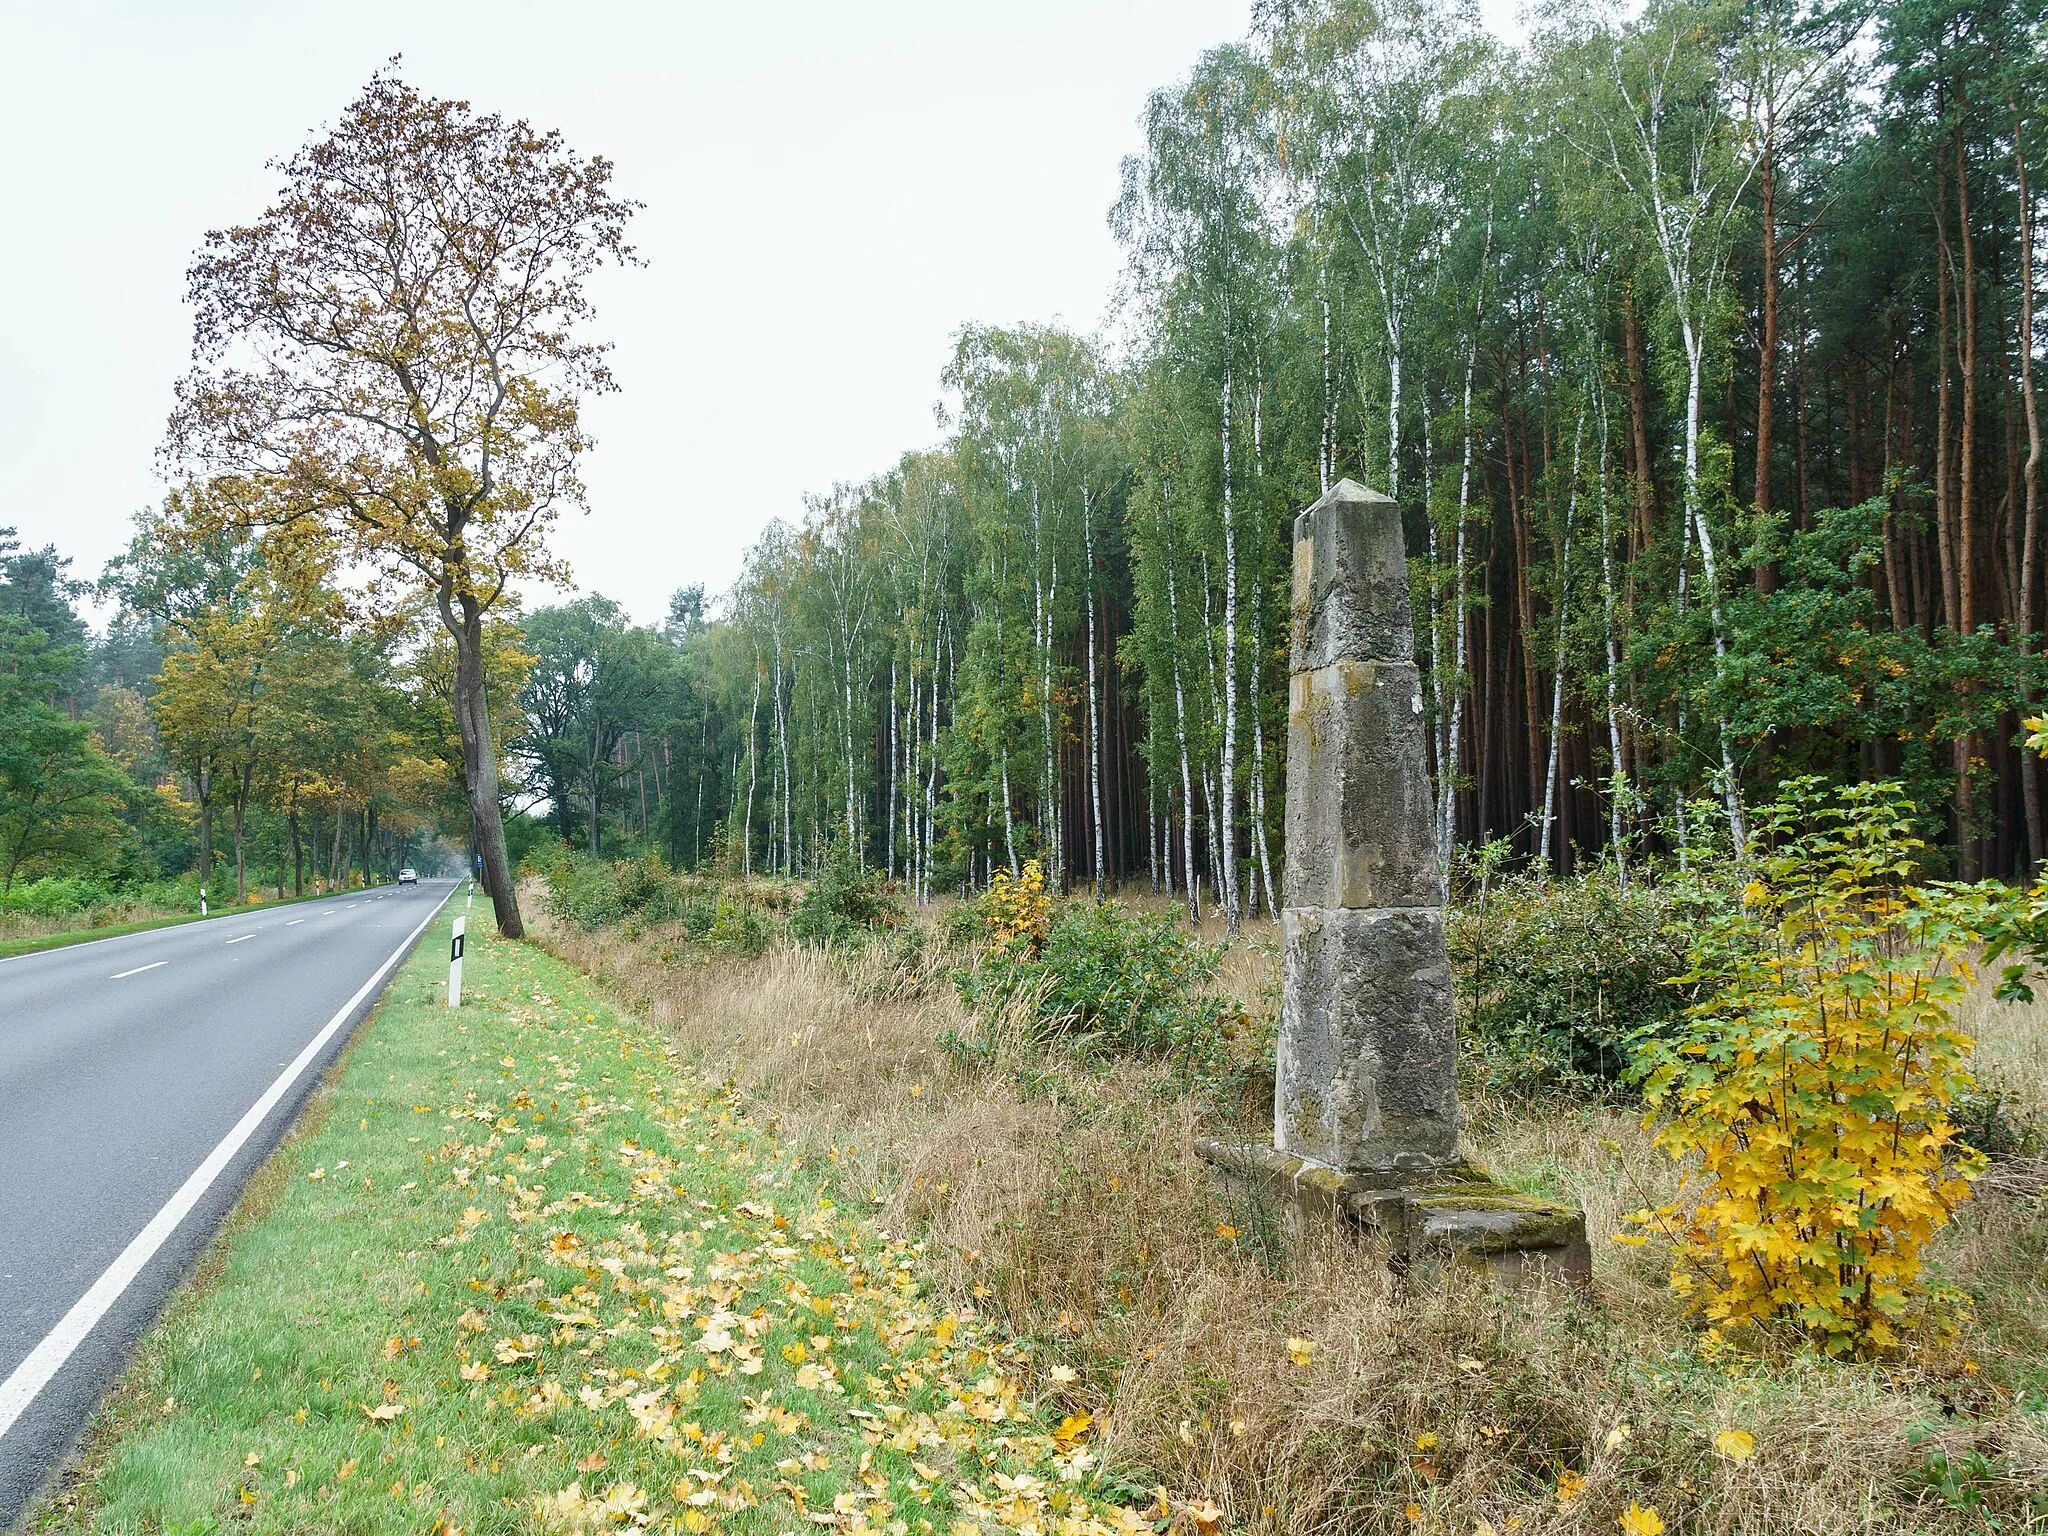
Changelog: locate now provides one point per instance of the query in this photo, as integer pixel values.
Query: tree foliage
(1813, 1087)
(393, 356)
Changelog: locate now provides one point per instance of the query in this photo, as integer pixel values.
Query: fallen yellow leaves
(636, 1310)
(569, 1510)
(1738, 1445)
(1072, 1430)
(1301, 1351)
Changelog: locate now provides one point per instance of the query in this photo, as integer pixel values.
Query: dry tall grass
(1069, 1202)
(29, 925)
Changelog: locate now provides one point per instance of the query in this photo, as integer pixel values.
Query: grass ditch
(532, 1271)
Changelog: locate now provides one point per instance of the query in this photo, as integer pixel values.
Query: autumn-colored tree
(393, 356)
(1812, 1088)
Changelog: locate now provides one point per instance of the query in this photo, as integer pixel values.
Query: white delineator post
(202, 901)
(455, 962)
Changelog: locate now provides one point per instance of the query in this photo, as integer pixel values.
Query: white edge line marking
(138, 970)
(57, 1346)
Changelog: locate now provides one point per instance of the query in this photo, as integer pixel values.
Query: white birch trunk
(1617, 789)
(1094, 699)
(1564, 566)
(1180, 731)
(1227, 810)
(753, 737)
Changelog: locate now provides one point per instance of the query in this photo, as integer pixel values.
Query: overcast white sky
(833, 188)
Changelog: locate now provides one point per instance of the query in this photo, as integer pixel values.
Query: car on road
(408, 876)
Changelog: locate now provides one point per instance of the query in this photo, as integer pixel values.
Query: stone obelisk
(1367, 1079)
(1365, 1112)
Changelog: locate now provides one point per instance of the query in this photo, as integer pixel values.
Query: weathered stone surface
(1367, 1072)
(1365, 1087)
(1360, 822)
(1506, 1237)
(1456, 1220)
(1350, 598)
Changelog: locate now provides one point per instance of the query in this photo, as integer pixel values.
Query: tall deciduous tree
(395, 351)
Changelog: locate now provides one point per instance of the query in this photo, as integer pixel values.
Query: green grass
(43, 941)
(524, 1269)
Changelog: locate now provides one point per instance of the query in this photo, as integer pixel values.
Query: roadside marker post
(455, 962)
(202, 901)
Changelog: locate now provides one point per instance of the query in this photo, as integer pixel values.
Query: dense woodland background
(1698, 349)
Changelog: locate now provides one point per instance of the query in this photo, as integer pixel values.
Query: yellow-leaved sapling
(1810, 1090)
(1017, 911)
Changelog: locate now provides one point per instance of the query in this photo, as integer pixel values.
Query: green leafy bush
(845, 904)
(1111, 979)
(71, 895)
(737, 927)
(1559, 981)
(637, 894)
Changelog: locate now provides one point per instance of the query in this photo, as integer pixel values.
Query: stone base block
(1450, 1220)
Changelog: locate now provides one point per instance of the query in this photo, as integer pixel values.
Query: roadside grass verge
(52, 934)
(531, 1271)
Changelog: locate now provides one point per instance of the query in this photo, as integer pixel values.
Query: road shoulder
(528, 1268)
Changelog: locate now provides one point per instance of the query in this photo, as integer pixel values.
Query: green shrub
(1990, 1118)
(636, 894)
(1560, 980)
(73, 895)
(737, 927)
(845, 904)
(52, 896)
(965, 925)
(1113, 980)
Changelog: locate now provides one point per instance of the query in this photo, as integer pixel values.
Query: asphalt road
(127, 1069)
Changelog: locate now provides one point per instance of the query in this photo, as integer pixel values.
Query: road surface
(142, 1079)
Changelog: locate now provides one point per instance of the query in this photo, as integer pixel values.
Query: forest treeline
(232, 728)
(1698, 349)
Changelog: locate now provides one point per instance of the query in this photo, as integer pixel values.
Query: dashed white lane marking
(295, 922)
(138, 970)
(48, 1357)
(241, 936)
